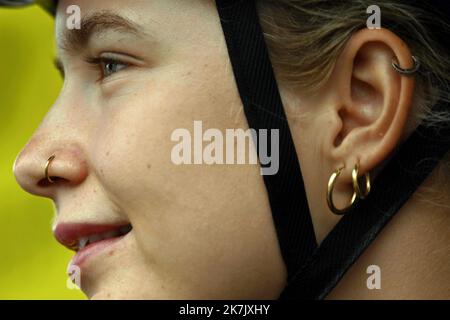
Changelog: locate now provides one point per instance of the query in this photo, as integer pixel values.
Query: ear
(371, 101)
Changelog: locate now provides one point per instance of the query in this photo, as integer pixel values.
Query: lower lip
(93, 249)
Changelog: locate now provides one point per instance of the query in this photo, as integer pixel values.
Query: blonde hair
(305, 37)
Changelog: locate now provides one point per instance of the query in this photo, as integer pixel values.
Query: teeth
(83, 242)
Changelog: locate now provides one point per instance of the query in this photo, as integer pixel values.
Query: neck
(412, 252)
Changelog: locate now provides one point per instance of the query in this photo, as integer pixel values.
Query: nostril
(56, 180)
(36, 174)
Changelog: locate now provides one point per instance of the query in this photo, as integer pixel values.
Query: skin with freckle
(197, 233)
(206, 231)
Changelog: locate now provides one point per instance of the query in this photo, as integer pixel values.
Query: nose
(68, 167)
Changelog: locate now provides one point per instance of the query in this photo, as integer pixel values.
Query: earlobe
(373, 100)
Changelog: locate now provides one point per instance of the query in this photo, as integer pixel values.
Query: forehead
(169, 17)
(77, 22)
(68, 9)
(117, 5)
(180, 29)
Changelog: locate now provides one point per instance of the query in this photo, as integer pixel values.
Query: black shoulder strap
(405, 172)
(264, 110)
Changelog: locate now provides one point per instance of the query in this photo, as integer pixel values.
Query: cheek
(133, 144)
(194, 221)
(133, 140)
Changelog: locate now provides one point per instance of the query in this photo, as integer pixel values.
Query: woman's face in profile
(134, 74)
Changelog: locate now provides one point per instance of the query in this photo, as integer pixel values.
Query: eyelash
(102, 62)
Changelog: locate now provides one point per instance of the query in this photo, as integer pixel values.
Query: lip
(68, 235)
(93, 249)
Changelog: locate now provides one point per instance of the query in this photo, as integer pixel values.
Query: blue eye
(107, 66)
(110, 67)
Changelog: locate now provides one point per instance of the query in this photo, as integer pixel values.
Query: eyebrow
(97, 23)
(77, 39)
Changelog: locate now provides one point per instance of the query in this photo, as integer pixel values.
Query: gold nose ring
(46, 169)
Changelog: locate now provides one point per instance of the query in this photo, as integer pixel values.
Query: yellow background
(32, 264)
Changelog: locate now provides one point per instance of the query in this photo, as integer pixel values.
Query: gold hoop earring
(331, 184)
(356, 187)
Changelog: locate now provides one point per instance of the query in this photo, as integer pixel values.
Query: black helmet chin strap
(264, 110)
(314, 271)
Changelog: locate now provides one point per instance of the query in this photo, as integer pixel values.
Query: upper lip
(70, 234)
